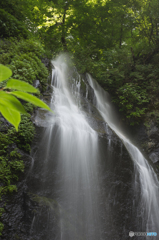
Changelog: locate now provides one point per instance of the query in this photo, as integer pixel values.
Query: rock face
(36, 84)
(46, 62)
(147, 138)
(21, 208)
(154, 156)
(24, 207)
(153, 143)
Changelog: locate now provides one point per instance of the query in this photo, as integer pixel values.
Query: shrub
(11, 27)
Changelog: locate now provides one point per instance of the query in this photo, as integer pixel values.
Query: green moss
(53, 204)
(16, 237)
(147, 124)
(151, 116)
(157, 166)
(25, 134)
(41, 200)
(11, 163)
(28, 67)
(83, 86)
(29, 107)
(14, 47)
(24, 58)
(1, 228)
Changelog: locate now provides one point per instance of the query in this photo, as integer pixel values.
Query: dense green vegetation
(22, 53)
(115, 41)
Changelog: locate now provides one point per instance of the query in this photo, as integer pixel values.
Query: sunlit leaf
(20, 85)
(11, 102)
(5, 73)
(32, 99)
(12, 116)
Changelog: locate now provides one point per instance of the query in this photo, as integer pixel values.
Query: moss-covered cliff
(24, 57)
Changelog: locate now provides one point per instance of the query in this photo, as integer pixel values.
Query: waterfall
(77, 159)
(99, 189)
(144, 173)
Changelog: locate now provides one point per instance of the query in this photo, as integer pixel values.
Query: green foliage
(132, 81)
(19, 85)
(10, 168)
(32, 99)
(10, 164)
(132, 99)
(5, 73)
(10, 106)
(23, 71)
(23, 57)
(25, 133)
(29, 107)
(9, 101)
(13, 47)
(29, 66)
(114, 41)
(13, 7)
(11, 27)
(10, 115)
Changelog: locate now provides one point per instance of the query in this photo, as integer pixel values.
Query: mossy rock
(44, 201)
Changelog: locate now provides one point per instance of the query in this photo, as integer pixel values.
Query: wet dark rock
(139, 133)
(42, 118)
(86, 90)
(154, 156)
(49, 88)
(46, 62)
(46, 94)
(153, 132)
(23, 207)
(36, 84)
(11, 147)
(147, 137)
(21, 211)
(4, 124)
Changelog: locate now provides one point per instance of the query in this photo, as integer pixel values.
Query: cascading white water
(148, 207)
(99, 193)
(77, 160)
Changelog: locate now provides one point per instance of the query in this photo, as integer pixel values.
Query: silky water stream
(103, 186)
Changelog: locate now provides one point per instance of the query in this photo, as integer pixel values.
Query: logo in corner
(131, 234)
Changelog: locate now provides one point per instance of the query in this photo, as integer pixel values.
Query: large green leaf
(11, 102)
(20, 85)
(12, 116)
(30, 98)
(5, 73)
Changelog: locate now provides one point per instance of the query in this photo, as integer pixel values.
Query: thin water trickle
(32, 224)
(148, 205)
